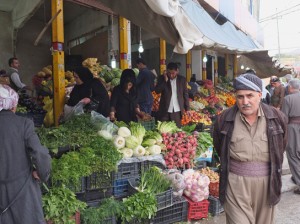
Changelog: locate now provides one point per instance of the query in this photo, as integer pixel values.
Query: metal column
(162, 55)
(58, 60)
(188, 66)
(123, 42)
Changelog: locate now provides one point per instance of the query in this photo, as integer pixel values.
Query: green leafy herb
(204, 142)
(138, 207)
(60, 204)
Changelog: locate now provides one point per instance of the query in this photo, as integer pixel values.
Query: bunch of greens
(204, 142)
(74, 133)
(107, 156)
(153, 181)
(167, 127)
(109, 207)
(121, 124)
(60, 204)
(138, 131)
(69, 169)
(189, 128)
(138, 207)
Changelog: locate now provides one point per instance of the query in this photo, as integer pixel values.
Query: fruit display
(156, 99)
(191, 117)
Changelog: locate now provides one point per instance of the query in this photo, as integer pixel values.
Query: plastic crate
(214, 189)
(38, 119)
(176, 213)
(79, 189)
(98, 186)
(146, 165)
(121, 187)
(148, 125)
(215, 206)
(110, 220)
(127, 170)
(197, 210)
(164, 199)
(200, 165)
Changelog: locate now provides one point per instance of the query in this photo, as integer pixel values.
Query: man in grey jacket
(24, 162)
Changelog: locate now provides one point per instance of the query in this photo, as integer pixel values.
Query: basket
(175, 213)
(214, 189)
(98, 186)
(197, 210)
(127, 170)
(121, 187)
(148, 125)
(38, 119)
(164, 199)
(146, 165)
(215, 207)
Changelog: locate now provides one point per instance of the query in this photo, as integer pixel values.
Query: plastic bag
(103, 123)
(69, 111)
(177, 180)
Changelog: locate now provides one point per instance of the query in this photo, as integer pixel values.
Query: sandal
(297, 191)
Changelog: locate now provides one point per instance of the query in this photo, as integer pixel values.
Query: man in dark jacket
(174, 99)
(23, 163)
(145, 86)
(250, 138)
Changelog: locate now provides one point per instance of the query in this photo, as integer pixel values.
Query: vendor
(89, 89)
(123, 103)
(14, 77)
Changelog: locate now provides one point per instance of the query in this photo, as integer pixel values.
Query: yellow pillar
(204, 73)
(216, 71)
(188, 66)
(235, 66)
(226, 64)
(58, 60)
(123, 42)
(162, 55)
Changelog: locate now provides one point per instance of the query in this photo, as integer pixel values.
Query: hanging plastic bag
(103, 123)
(69, 111)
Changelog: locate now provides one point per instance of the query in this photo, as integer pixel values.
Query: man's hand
(165, 74)
(35, 175)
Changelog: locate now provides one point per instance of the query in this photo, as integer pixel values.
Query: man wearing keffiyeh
(250, 139)
(24, 162)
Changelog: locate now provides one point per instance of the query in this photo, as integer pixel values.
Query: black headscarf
(84, 90)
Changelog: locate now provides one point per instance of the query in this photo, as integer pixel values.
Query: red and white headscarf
(8, 98)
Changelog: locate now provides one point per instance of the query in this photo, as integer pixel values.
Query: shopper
(144, 86)
(278, 93)
(291, 108)
(89, 90)
(13, 74)
(124, 106)
(250, 139)
(194, 87)
(174, 99)
(23, 163)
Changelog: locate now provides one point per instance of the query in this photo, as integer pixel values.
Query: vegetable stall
(104, 172)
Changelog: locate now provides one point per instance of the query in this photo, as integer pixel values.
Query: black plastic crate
(121, 187)
(146, 165)
(176, 213)
(164, 199)
(110, 220)
(127, 170)
(99, 185)
(215, 206)
(79, 188)
(200, 165)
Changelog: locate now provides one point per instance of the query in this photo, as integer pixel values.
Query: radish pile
(180, 149)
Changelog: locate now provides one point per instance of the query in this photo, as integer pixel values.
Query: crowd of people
(133, 98)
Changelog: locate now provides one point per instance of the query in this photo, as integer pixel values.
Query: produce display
(212, 175)
(180, 149)
(196, 185)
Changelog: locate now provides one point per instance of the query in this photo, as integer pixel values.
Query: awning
(184, 24)
(263, 64)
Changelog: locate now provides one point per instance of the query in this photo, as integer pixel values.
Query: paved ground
(288, 209)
